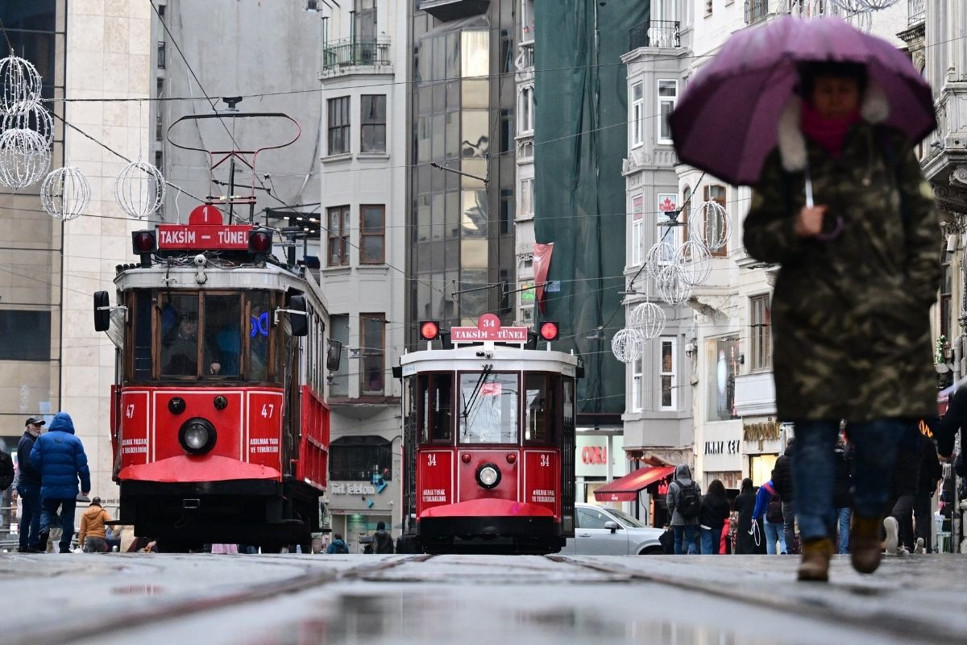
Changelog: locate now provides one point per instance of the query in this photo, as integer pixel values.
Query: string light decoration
(660, 255)
(34, 117)
(65, 193)
(711, 226)
(24, 158)
(20, 84)
(672, 287)
(627, 345)
(695, 261)
(139, 189)
(864, 5)
(648, 319)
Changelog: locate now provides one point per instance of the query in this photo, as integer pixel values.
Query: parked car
(608, 531)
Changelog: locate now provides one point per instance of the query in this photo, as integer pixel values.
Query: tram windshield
(489, 405)
(201, 335)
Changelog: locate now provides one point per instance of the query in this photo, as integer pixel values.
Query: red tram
(488, 440)
(218, 425)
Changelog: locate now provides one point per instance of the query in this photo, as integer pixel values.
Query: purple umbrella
(726, 121)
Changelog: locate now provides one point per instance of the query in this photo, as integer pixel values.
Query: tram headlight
(197, 436)
(488, 475)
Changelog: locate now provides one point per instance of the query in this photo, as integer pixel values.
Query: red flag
(542, 262)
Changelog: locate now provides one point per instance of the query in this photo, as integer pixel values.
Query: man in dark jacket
(684, 528)
(931, 472)
(6, 471)
(28, 487)
(782, 482)
(382, 541)
(60, 458)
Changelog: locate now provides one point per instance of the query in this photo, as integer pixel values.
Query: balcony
(916, 11)
(355, 53)
(756, 11)
(945, 150)
(447, 10)
(655, 33)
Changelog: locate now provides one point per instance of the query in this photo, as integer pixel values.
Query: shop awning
(626, 489)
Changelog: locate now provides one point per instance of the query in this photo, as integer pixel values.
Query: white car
(607, 531)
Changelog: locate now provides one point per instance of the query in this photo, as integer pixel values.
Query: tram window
(179, 340)
(488, 407)
(222, 337)
(436, 392)
(142, 335)
(258, 337)
(539, 410)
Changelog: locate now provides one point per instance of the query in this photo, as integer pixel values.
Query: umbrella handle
(826, 237)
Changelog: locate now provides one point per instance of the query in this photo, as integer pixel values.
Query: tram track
(816, 601)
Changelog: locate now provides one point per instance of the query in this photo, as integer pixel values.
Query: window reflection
(488, 408)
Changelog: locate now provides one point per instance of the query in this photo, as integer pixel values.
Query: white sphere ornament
(24, 158)
(34, 117)
(65, 193)
(711, 226)
(139, 189)
(864, 5)
(695, 261)
(672, 287)
(627, 345)
(20, 84)
(660, 255)
(648, 319)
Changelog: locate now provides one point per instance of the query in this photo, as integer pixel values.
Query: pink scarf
(828, 133)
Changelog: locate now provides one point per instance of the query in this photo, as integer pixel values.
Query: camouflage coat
(850, 316)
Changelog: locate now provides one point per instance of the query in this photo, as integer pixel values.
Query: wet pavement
(497, 600)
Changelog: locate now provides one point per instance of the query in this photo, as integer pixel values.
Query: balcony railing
(756, 10)
(916, 11)
(345, 53)
(655, 33)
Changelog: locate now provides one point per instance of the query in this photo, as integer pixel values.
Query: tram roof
(183, 277)
(501, 357)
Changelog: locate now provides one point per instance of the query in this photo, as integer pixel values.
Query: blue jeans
(710, 540)
(844, 516)
(775, 532)
(67, 507)
(30, 516)
(813, 470)
(690, 533)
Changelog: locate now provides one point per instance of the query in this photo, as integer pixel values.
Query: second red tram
(219, 427)
(489, 441)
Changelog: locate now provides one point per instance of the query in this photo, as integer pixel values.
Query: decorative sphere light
(24, 158)
(711, 226)
(695, 261)
(627, 345)
(139, 189)
(34, 117)
(648, 319)
(660, 255)
(864, 5)
(65, 193)
(672, 287)
(20, 84)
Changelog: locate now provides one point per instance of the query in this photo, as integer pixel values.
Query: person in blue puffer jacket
(60, 458)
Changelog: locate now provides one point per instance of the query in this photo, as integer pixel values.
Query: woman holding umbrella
(851, 304)
(825, 134)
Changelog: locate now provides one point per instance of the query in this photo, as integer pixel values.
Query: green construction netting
(580, 136)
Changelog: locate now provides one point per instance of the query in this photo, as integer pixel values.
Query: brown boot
(864, 544)
(814, 566)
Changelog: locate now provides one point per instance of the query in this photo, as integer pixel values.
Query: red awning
(626, 489)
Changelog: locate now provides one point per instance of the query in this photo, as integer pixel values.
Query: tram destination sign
(173, 237)
(488, 329)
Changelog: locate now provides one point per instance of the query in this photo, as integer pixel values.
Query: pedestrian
(931, 472)
(850, 308)
(28, 487)
(6, 471)
(92, 537)
(684, 500)
(842, 493)
(338, 545)
(382, 540)
(782, 481)
(61, 460)
(713, 516)
(768, 508)
(743, 505)
(898, 525)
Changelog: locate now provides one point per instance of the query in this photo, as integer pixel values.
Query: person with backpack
(713, 516)
(338, 545)
(684, 500)
(382, 540)
(769, 503)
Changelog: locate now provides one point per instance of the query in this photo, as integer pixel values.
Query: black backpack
(689, 501)
(774, 509)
